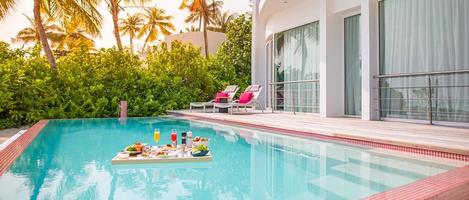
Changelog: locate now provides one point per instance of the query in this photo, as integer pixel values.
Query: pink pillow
(221, 95)
(246, 97)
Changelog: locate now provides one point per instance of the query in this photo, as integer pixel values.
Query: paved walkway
(5, 134)
(438, 138)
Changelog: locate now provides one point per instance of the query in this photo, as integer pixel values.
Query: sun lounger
(231, 90)
(253, 90)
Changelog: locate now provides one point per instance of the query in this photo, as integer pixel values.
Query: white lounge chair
(255, 89)
(231, 90)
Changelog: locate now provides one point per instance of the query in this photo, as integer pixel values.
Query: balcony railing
(424, 96)
(295, 96)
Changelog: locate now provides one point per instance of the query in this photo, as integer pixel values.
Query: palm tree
(30, 34)
(200, 10)
(131, 26)
(115, 8)
(83, 9)
(74, 36)
(42, 34)
(157, 22)
(5, 7)
(194, 17)
(221, 21)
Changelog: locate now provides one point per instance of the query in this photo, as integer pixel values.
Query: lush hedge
(92, 85)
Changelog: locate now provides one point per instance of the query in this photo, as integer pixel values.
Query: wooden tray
(143, 160)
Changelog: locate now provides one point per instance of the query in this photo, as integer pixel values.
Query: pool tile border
(354, 141)
(453, 184)
(10, 152)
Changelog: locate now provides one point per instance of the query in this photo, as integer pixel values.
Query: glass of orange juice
(156, 135)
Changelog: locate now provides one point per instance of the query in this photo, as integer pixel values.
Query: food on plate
(200, 149)
(200, 139)
(131, 148)
(137, 146)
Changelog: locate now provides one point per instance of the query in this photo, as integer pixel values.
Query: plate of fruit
(201, 150)
(197, 141)
(134, 149)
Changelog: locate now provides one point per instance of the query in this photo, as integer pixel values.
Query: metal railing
(278, 95)
(429, 87)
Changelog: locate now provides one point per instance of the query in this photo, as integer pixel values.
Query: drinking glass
(157, 135)
(174, 137)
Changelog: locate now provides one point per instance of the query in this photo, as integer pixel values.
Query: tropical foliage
(203, 12)
(82, 10)
(157, 23)
(67, 36)
(115, 7)
(30, 34)
(131, 26)
(221, 21)
(92, 84)
(235, 53)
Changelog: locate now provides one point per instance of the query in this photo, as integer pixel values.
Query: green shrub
(92, 85)
(234, 55)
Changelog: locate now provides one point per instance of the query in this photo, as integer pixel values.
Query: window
(296, 69)
(422, 36)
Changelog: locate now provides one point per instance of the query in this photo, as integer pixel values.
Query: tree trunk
(200, 23)
(131, 43)
(115, 19)
(42, 34)
(205, 39)
(144, 45)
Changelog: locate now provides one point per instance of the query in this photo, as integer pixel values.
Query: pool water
(71, 159)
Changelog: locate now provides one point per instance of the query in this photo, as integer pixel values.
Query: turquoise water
(71, 159)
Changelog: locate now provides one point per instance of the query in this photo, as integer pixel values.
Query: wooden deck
(437, 138)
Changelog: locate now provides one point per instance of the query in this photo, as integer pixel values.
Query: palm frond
(5, 7)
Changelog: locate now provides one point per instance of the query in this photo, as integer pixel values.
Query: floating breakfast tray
(149, 160)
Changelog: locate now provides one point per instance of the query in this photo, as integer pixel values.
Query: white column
(258, 66)
(370, 58)
(330, 61)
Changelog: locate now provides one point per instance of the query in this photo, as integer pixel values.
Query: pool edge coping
(453, 184)
(11, 151)
(368, 142)
(447, 185)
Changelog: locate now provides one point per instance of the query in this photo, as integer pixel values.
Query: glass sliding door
(296, 69)
(418, 37)
(353, 67)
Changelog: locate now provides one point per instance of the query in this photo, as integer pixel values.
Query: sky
(16, 21)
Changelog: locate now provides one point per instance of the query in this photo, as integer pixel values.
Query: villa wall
(278, 16)
(292, 16)
(215, 39)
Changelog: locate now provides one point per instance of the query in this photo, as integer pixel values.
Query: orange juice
(156, 136)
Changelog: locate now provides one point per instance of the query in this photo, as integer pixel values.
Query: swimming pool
(71, 159)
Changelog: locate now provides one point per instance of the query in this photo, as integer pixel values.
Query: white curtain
(297, 59)
(425, 36)
(353, 88)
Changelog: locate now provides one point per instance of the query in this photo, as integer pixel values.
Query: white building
(215, 39)
(367, 58)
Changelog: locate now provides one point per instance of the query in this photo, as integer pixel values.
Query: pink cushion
(246, 97)
(221, 95)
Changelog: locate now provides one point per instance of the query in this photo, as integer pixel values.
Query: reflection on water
(71, 159)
